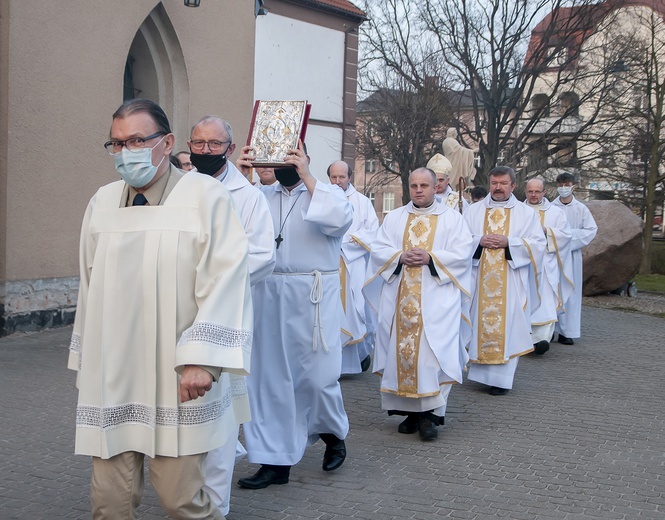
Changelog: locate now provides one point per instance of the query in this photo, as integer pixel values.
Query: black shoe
(541, 347)
(428, 431)
(265, 476)
(565, 341)
(335, 453)
(410, 424)
(364, 364)
(497, 390)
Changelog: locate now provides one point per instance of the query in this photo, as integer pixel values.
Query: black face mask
(208, 163)
(287, 176)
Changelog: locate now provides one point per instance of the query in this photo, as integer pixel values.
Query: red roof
(339, 5)
(576, 24)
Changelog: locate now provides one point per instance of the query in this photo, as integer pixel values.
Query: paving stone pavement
(582, 435)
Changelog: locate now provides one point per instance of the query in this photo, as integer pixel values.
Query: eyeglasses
(133, 144)
(214, 146)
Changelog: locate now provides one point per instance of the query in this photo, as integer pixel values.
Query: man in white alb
(555, 278)
(420, 280)
(210, 143)
(358, 326)
(584, 230)
(509, 245)
(294, 390)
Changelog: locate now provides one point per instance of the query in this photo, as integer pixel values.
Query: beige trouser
(116, 486)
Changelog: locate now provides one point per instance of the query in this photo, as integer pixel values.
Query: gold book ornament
(276, 127)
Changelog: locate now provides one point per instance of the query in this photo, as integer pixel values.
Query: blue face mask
(136, 168)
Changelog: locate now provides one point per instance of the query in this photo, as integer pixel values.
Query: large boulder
(614, 256)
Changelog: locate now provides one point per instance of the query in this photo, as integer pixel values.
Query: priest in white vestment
(509, 245)
(444, 193)
(556, 275)
(164, 311)
(358, 329)
(295, 396)
(210, 143)
(419, 282)
(584, 230)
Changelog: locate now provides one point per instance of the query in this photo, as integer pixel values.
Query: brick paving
(582, 435)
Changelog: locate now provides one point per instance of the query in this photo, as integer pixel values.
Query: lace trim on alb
(75, 343)
(75, 347)
(211, 333)
(142, 414)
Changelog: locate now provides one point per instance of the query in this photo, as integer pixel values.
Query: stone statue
(460, 157)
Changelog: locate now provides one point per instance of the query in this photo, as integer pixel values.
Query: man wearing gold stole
(509, 244)
(419, 284)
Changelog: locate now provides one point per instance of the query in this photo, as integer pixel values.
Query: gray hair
(214, 119)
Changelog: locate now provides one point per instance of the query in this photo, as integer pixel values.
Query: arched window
(155, 69)
(569, 104)
(540, 105)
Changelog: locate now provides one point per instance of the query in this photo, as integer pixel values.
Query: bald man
(358, 325)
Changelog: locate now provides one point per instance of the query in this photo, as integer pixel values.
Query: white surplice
(510, 310)
(294, 389)
(357, 327)
(414, 367)
(161, 287)
(556, 274)
(584, 230)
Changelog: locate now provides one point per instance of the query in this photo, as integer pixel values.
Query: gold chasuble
(492, 292)
(419, 232)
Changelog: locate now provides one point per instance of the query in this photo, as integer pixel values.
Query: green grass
(658, 257)
(650, 282)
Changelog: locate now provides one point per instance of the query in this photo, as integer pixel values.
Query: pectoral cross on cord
(279, 238)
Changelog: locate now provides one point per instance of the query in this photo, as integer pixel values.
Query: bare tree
(497, 50)
(407, 103)
(632, 129)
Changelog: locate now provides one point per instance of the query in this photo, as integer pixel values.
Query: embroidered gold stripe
(493, 285)
(419, 232)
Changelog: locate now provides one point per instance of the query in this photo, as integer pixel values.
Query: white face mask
(136, 168)
(565, 191)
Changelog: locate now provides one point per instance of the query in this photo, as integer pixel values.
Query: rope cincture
(315, 297)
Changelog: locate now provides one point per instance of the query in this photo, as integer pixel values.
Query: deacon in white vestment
(555, 274)
(420, 277)
(211, 142)
(358, 324)
(584, 229)
(509, 245)
(164, 311)
(295, 396)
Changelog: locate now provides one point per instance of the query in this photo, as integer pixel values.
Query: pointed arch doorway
(155, 69)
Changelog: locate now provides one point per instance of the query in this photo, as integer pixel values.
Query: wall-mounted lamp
(192, 3)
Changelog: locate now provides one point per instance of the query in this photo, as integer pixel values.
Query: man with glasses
(185, 161)
(211, 141)
(164, 309)
(556, 275)
(509, 245)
